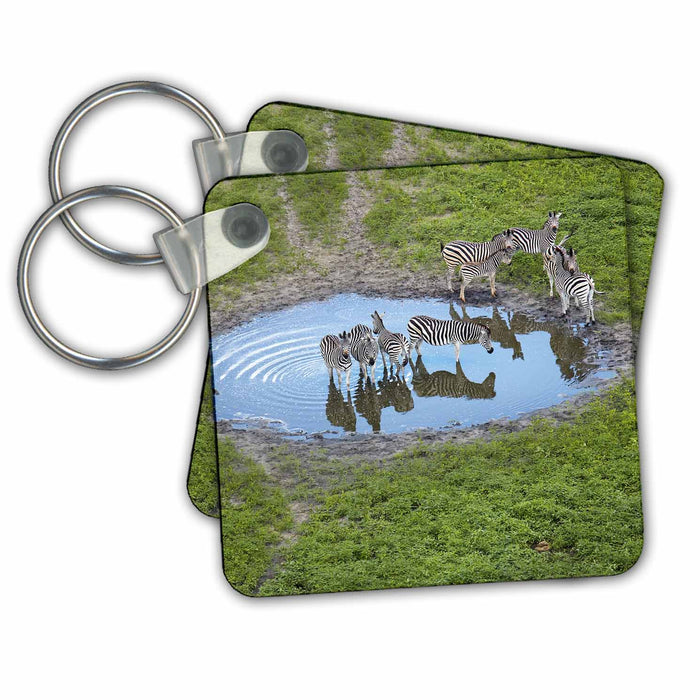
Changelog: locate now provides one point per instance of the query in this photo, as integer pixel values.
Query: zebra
(578, 285)
(459, 253)
(548, 261)
(569, 263)
(364, 348)
(537, 241)
(395, 345)
(335, 351)
(487, 268)
(435, 331)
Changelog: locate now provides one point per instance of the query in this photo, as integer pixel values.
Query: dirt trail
(332, 161)
(402, 151)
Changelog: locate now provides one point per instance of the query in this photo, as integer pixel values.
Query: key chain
(183, 247)
(374, 425)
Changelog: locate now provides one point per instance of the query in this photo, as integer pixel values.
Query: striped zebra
(487, 268)
(537, 241)
(364, 348)
(569, 263)
(435, 331)
(548, 262)
(578, 285)
(458, 253)
(335, 351)
(395, 345)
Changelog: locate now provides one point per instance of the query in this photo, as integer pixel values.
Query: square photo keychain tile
(345, 141)
(374, 430)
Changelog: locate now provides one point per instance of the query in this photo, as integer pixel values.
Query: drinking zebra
(537, 240)
(435, 331)
(335, 351)
(487, 268)
(395, 345)
(458, 253)
(577, 285)
(364, 348)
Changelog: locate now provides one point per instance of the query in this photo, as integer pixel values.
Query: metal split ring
(60, 209)
(100, 97)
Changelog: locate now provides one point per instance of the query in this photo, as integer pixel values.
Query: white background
(110, 580)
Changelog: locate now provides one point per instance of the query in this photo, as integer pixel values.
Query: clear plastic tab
(211, 245)
(249, 153)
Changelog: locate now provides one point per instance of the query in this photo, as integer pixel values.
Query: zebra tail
(442, 246)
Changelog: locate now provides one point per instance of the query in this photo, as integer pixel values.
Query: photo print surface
(375, 430)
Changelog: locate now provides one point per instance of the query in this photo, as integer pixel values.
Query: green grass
(318, 202)
(447, 146)
(450, 514)
(203, 480)
(254, 516)
(643, 188)
(362, 141)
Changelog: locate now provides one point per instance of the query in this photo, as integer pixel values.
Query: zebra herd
(338, 351)
(473, 260)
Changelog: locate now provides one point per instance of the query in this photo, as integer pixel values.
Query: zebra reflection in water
(453, 385)
(339, 409)
(500, 330)
(391, 391)
(570, 350)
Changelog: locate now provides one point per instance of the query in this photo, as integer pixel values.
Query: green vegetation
(362, 141)
(448, 514)
(253, 519)
(203, 480)
(643, 190)
(446, 146)
(318, 202)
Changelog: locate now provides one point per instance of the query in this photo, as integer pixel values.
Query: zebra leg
(374, 368)
(450, 274)
(383, 358)
(457, 346)
(347, 379)
(551, 284)
(492, 280)
(330, 373)
(461, 290)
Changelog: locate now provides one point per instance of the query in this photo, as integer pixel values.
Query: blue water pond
(269, 372)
